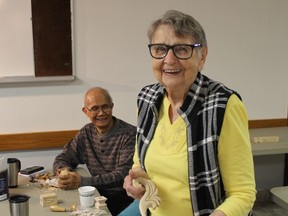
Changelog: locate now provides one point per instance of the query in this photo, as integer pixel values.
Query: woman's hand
(133, 190)
(218, 213)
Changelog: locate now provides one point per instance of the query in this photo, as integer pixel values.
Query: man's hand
(69, 181)
(132, 190)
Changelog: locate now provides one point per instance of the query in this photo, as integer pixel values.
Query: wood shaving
(43, 176)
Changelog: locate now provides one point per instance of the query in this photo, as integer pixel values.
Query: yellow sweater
(167, 167)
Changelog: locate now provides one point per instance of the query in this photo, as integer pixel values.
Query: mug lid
(86, 190)
(18, 198)
(12, 160)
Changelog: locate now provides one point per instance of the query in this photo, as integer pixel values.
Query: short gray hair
(183, 25)
(104, 91)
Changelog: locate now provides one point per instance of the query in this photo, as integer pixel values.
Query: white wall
(247, 51)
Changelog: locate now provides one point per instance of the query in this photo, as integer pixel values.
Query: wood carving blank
(150, 199)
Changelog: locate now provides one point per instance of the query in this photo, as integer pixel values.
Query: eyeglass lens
(104, 108)
(181, 51)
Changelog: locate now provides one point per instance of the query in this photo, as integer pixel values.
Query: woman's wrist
(218, 213)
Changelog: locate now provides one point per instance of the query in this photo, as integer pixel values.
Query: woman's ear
(203, 56)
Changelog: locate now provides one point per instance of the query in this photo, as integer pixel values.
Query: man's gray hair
(104, 91)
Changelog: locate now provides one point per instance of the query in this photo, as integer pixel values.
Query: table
(280, 196)
(65, 198)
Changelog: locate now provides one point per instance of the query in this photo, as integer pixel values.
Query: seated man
(105, 146)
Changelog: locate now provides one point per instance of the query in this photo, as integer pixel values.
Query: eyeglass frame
(96, 109)
(196, 45)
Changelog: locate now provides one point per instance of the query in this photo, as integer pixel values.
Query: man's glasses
(96, 109)
(181, 51)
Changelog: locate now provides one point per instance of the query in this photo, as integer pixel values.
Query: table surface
(270, 148)
(65, 198)
(280, 196)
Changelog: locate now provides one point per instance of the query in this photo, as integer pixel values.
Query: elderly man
(105, 146)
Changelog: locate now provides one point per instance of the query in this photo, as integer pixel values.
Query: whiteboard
(16, 40)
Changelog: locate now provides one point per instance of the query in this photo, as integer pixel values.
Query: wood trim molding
(265, 123)
(57, 139)
(33, 141)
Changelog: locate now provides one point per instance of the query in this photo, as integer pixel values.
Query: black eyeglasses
(96, 109)
(181, 51)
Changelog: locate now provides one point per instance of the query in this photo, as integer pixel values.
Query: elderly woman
(192, 138)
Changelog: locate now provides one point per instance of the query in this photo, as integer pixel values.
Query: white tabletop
(65, 198)
(280, 196)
